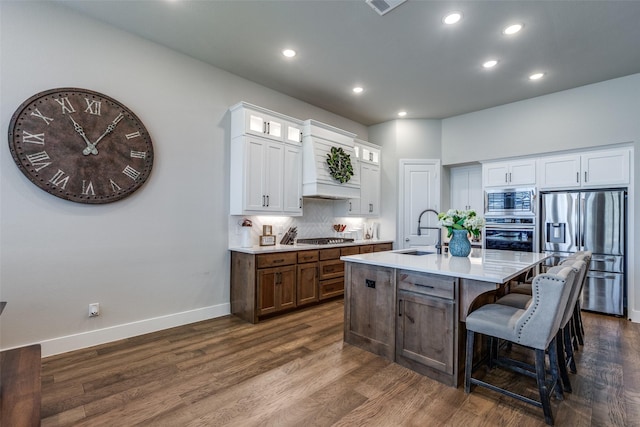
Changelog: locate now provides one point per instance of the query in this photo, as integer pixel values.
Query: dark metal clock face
(80, 145)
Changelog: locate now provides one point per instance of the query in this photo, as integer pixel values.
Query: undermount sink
(417, 253)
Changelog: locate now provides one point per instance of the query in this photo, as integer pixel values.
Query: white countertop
(487, 265)
(256, 249)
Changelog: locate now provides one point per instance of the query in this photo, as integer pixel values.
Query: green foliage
(340, 166)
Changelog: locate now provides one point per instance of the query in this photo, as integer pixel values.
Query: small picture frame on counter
(269, 240)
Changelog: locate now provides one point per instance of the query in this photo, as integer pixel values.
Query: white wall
(155, 259)
(401, 139)
(589, 116)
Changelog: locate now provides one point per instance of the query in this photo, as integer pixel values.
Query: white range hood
(317, 141)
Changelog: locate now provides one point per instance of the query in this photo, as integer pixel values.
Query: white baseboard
(113, 333)
(633, 315)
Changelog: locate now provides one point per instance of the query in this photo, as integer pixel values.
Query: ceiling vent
(384, 6)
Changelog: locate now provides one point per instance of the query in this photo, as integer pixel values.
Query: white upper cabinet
(590, 169)
(266, 162)
(509, 173)
(292, 176)
(367, 168)
(466, 188)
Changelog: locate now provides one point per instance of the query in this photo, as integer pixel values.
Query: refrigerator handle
(582, 225)
(576, 236)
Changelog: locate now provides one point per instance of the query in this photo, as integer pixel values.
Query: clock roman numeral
(38, 160)
(60, 179)
(87, 188)
(33, 138)
(66, 105)
(114, 187)
(131, 172)
(138, 154)
(133, 135)
(37, 113)
(93, 107)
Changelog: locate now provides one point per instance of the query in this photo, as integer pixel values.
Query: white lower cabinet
(590, 169)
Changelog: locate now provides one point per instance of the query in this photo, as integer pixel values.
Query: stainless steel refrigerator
(593, 221)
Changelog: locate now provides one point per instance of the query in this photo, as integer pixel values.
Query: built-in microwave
(510, 201)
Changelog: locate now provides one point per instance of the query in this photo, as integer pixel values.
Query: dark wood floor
(296, 371)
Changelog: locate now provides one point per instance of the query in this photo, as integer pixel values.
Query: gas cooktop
(324, 241)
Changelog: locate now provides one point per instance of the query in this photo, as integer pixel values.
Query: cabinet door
(370, 308)
(369, 189)
(263, 125)
(459, 189)
(605, 168)
(292, 177)
(476, 196)
(307, 289)
(522, 172)
(255, 170)
(495, 174)
(274, 175)
(293, 133)
(276, 289)
(267, 279)
(287, 285)
(559, 172)
(425, 331)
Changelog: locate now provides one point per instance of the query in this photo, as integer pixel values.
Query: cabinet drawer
(331, 288)
(427, 284)
(365, 249)
(307, 256)
(274, 260)
(381, 247)
(333, 253)
(350, 250)
(331, 269)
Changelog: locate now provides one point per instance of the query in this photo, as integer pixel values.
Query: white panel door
(419, 190)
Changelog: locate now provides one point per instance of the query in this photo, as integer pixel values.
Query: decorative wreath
(340, 165)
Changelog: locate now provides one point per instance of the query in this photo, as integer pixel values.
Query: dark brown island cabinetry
(263, 285)
(426, 328)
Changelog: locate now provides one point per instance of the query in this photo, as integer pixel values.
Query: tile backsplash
(317, 221)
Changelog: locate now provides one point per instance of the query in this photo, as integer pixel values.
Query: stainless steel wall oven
(511, 234)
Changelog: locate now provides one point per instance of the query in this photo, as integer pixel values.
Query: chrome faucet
(439, 229)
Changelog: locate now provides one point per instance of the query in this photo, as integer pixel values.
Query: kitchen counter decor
(340, 166)
(459, 224)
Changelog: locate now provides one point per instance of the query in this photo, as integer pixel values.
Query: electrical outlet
(94, 309)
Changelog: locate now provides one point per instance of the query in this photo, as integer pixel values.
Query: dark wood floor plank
(294, 370)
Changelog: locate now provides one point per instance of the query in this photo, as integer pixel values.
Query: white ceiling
(406, 59)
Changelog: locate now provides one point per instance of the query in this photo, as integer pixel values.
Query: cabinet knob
(406, 240)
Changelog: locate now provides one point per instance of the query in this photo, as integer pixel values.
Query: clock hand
(110, 128)
(90, 147)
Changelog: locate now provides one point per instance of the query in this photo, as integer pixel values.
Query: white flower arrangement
(461, 220)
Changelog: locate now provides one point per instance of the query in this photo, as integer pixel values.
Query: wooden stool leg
(562, 363)
(568, 348)
(542, 386)
(468, 366)
(553, 362)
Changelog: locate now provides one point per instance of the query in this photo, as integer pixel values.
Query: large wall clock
(80, 145)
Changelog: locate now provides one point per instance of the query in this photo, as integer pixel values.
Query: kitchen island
(410, 305)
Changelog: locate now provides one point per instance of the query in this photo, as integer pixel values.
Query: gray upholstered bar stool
(534, 327)
(563, 336)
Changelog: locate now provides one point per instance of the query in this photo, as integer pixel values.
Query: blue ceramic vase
(459, 245)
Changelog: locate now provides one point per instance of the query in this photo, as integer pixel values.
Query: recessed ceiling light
(402, 113)
(357, 89)
(289, 53)
(536, 76)
(512, 29)
(452, 18)
(490, 64)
